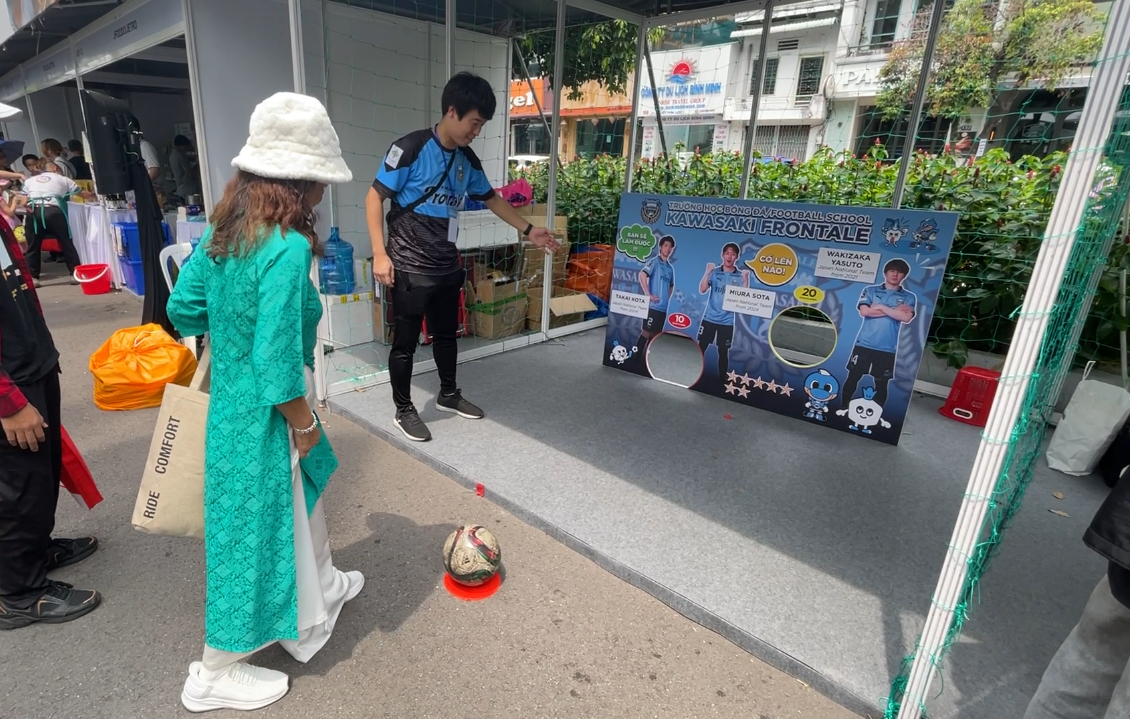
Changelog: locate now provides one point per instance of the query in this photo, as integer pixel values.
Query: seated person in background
(32, 164)
(78, 161)
(46, 194)
(53, 151)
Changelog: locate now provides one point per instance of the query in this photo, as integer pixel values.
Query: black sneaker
(60, 603)
(65, 552)
(455, 403)
(408, 421)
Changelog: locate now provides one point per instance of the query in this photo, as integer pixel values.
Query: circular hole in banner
(674, 358)
(802, 336)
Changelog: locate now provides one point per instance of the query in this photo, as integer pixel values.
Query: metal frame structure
(1107, 84)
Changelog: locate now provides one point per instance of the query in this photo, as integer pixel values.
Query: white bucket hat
(291, 138)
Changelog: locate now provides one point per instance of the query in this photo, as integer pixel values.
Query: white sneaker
(356, 584)
(239, 686)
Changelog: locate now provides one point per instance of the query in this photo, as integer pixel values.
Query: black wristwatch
(529, 228)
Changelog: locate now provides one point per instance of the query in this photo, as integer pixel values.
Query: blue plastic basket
(133, 275)
(131, 238)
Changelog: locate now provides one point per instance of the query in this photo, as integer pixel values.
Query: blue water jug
(336, 267)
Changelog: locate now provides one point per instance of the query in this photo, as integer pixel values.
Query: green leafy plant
(1004, 207)
(981, 44)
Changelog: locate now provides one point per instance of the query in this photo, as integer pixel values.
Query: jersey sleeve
(392, 175)
(912, 301)
(649, 267)
(867, 297)
(478, 186)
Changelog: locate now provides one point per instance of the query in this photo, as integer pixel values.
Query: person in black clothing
(31, 460)
(1089, 677)
(78, 161)
(428, 176)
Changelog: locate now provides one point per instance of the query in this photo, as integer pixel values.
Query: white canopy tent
(241, 51)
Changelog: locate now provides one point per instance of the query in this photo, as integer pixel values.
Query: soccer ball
(471, 555)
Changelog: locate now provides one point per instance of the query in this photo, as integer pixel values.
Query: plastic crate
(971, 396)
(131, 239)
(133, 275)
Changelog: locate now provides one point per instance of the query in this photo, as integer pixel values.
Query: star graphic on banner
(730, 389)
(732, 377)
(743, 391)
(759, 383)
(772, 386)
(746, 379)
(786, 390)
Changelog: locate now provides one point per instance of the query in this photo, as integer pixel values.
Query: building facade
(594, 124)
(1025, 119)
(820, 89)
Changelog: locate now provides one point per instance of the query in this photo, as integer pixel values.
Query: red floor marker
(480, 490)
(727, 416)
(471, 594)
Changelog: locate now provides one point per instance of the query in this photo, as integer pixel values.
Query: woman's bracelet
(313, 426)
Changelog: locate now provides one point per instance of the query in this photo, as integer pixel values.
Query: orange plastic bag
(590, 270)
(132, 368)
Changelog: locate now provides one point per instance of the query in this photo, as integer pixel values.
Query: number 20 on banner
(809, 295)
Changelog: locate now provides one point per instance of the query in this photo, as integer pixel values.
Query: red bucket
(95, 279)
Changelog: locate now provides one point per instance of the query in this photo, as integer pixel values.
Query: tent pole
(755, 99)
(633, 130)
(919, 102)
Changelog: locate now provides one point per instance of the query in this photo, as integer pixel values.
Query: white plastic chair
(177, 253)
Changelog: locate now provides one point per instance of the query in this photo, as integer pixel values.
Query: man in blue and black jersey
(657, 279)
(428, 175)
(885, 308)
(717, 326)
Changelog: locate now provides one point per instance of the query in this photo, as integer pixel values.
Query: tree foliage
(984, 42)
(603, 52)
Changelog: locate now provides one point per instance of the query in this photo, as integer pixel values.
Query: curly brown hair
(252, 207)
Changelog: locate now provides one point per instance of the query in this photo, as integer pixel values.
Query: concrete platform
(812, 549)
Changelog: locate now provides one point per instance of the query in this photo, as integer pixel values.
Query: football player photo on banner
(814, 312)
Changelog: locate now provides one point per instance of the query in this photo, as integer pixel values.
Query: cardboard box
(490, 291)
(498, 309)
(565, 307)
(363, 275)
(533, 264)
(536, 214)
(502, 318)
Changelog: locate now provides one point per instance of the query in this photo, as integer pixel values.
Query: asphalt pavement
(561, 638)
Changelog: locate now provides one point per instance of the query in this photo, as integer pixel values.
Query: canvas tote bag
(171, 498)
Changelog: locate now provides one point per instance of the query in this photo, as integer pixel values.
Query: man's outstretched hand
(25, 428)
(541, 237)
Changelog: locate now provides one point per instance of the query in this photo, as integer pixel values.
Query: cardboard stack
(496, 303)
(565, 306)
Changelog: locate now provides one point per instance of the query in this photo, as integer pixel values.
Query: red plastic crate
(971, 396)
